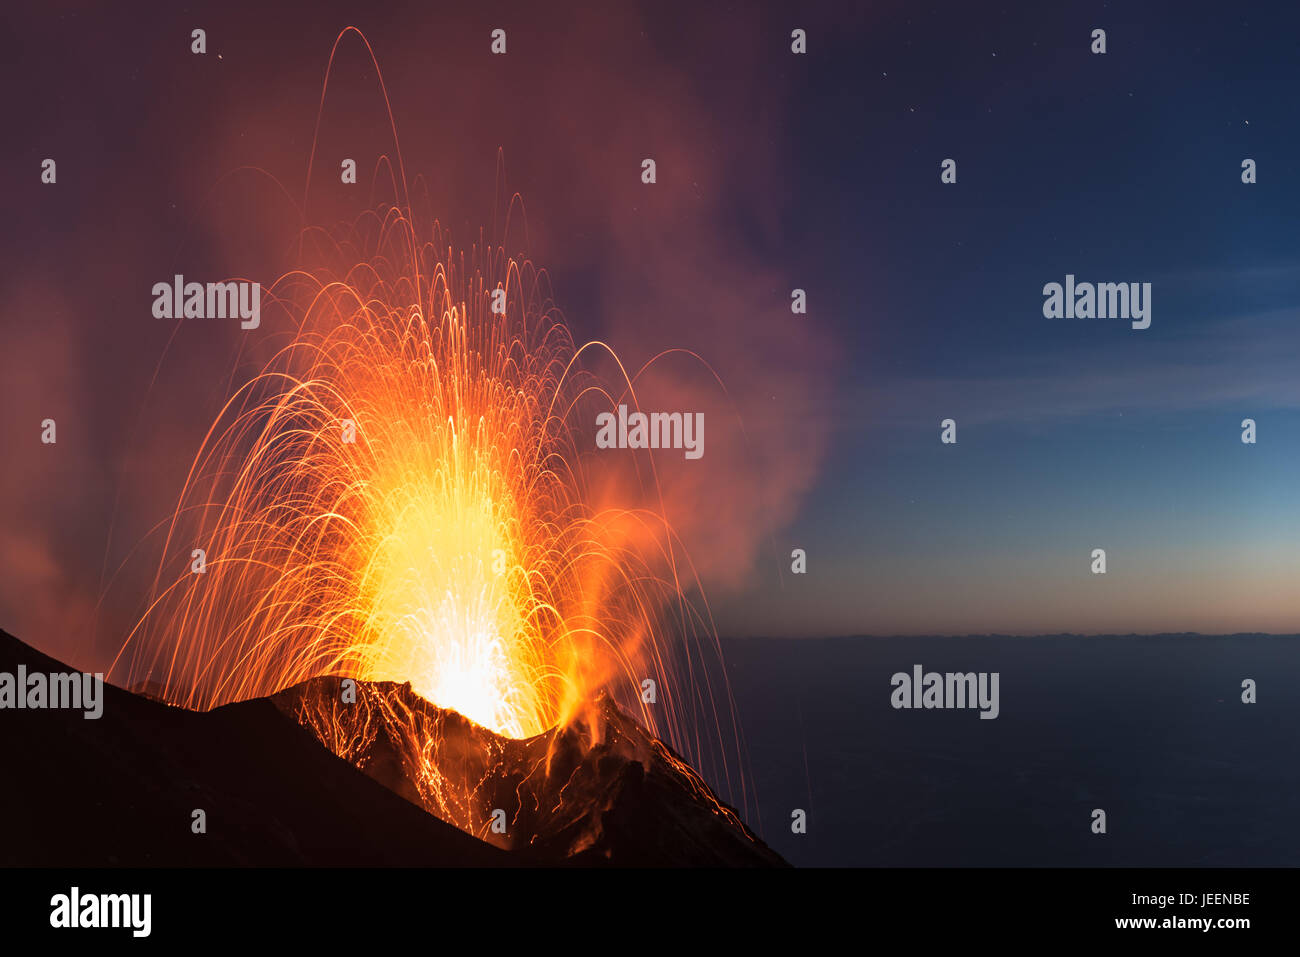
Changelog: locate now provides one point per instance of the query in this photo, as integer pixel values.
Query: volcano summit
(120, 791)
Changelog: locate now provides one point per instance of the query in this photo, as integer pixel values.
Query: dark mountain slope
(120, 790)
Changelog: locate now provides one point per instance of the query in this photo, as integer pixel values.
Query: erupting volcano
(407, 492)
(401, 527)
(402, 495)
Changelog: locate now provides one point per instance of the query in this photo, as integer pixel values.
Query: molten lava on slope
(602, 790)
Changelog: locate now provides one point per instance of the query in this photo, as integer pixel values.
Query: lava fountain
(408, 491)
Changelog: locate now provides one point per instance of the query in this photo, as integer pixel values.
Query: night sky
(776, 171)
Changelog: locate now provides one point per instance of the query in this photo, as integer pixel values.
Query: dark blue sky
(1072, 434)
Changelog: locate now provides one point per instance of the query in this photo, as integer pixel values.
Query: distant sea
(1150, 729)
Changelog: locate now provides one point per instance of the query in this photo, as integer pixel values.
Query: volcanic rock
(601, 790)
